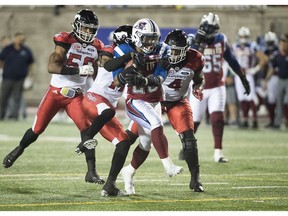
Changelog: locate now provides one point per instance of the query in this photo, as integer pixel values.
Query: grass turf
(49, 176)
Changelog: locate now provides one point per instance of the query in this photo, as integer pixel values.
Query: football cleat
(195, 184)
(174, 170)
(12, 156)
(197, 187)
(221, 160)
(88, 144)
(93, 177)
(110, 189)
(127, 176)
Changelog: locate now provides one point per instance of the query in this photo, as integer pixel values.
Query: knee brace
(189, 142)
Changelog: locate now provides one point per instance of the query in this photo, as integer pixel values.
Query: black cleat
(221, 160)
(255, 125)
(196, 187)
(110, 189)
(244, 125)
(88, 144)
(195, 184)
(93, 177)
(12, 157)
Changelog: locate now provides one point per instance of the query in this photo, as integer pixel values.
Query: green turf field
(50, 176)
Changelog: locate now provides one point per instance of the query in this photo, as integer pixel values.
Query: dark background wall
(40, 23)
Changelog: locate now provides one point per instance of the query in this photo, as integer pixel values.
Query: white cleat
(87, 145)
(174, 170)
(127, 176)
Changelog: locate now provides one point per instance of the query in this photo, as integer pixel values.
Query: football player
(247, 53)
(71, 63)
(144, 79)
(215, 48)
(186, 65)
(270, 80)
(99, 105)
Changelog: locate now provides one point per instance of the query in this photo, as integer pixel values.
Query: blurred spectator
(270, 81)
(16, 60)
(279, 64)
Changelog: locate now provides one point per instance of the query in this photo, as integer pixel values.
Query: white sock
(218, 153)
(130, 168)
(166, 162)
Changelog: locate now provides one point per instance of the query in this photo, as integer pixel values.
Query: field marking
(139, 175)
(259, 187)
(122, 202)
(4, 137)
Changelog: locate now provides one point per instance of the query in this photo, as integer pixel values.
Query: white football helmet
(145, 35)
(271, 40)
(210, 24)
(243, 35)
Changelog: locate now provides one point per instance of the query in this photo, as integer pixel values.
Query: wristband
(69, 70)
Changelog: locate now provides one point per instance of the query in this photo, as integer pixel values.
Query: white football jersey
(77, 54)
(104, 85)
(177, 83)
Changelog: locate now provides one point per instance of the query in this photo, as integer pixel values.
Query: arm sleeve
(115, 63)
(232, 61)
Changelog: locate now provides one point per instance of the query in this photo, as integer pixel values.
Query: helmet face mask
(243, 35)
(145, 35)
(271, 40)
(210, 24)
(178, 41)
(85, 25)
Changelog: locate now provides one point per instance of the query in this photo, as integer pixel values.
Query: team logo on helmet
(141, 25)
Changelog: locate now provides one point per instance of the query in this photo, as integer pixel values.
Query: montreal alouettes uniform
(178, 79)
(78, 54)
(214, 55)
(246, 54)
(147, 93)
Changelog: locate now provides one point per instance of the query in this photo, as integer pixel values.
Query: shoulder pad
(63, 37)
(98, 44)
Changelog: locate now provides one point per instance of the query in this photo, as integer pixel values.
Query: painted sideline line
(256, 187)
(138, 175)
(122, 202)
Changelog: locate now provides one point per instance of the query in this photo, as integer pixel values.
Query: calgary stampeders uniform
(104, 94)
(176, 86)
(66, 91)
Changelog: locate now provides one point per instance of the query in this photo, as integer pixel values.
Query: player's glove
(136, 80)
(86, 70)
(199, 37)
(129, 71)
(246, 84)
(198, 94)
(139, 60)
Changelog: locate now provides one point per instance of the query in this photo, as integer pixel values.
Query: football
(129, 63)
